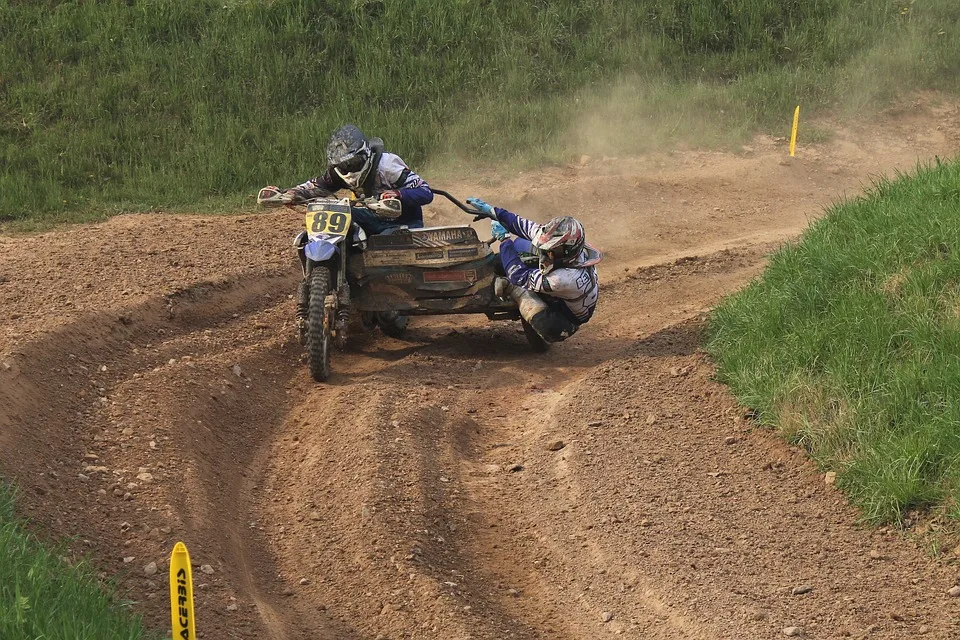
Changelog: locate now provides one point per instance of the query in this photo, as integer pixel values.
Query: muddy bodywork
(426, 271)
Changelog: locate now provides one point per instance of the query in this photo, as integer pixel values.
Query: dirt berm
(454, 485)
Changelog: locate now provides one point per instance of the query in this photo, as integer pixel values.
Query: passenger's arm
(530, 278)
(516, 225)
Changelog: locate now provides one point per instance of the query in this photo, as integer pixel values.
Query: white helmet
(559, 243)
(349, 155)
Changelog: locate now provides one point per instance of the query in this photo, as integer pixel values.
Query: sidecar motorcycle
(388, 277)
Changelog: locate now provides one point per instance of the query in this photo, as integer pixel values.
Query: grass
(849, 344)
(167, 105)
(44, 596)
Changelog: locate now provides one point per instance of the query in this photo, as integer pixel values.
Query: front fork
(303, 291)
(337, 302)
(303, 309)
(340, 300)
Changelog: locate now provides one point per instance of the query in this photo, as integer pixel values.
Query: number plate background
(332, 222)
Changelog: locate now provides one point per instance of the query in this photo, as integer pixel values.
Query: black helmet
(349, 155)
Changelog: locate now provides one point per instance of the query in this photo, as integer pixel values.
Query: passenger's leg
(553, 325)
(548, 320)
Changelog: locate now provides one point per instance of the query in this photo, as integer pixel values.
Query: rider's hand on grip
(267, 193)
(272, 195)
(483, 210)
(388, 208)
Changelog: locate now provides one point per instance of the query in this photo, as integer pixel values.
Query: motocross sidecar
(386, 277)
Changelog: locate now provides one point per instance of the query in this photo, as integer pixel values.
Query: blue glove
(484, 210)
(498, 231)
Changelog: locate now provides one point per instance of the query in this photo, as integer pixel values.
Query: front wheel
(537, 343)
(320, 323)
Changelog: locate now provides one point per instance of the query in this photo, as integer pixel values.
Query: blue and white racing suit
(389, 173)
(570, 291)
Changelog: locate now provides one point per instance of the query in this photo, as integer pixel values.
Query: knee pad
(531, 305)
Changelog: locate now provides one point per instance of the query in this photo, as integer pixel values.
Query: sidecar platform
(435, 270)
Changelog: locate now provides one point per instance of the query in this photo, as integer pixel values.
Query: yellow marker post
(793, 136)
(181, 594)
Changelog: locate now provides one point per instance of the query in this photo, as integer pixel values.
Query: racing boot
(532, 307)
(547, 322)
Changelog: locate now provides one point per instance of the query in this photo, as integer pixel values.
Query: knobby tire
(318, 332)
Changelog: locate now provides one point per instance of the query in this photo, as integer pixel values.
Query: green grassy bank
(849, 344)
(110, 106)
(41, 596)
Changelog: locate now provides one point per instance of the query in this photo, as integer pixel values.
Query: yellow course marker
(181, 594)
(793, 136)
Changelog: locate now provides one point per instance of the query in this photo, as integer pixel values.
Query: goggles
(354, 164)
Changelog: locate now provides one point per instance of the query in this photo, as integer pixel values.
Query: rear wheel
(537, 343)
(320, 325)
(369, 320)
(392, 323)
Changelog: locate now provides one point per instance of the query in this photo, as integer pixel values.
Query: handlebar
(469, 209)
(272, 196)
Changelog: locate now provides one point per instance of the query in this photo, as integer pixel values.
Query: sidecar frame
(428, 271)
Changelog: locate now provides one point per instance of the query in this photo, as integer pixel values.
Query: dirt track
(383, 504)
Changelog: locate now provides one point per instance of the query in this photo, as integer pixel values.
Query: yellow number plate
(333, 222)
